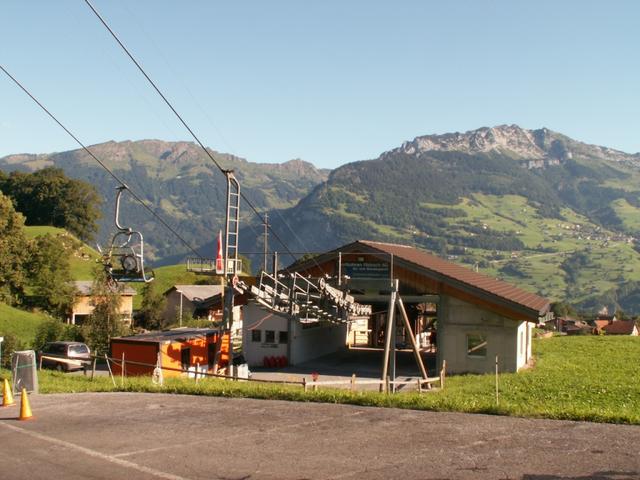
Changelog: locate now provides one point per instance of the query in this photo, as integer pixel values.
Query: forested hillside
(180, 182)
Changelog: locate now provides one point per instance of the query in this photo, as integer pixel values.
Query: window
(185, 358)
(476, 345)
(211, 354)
(256, 336)
(270, 336)
(283, 337)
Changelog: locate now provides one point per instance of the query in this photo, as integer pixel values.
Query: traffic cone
(7, 396)
(25, 408)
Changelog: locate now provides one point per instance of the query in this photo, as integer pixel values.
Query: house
(617, 327)
(83, 301)
(472, 318)
(187, 301)
(176, 350)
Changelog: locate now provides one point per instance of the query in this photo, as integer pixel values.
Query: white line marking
(95, 453)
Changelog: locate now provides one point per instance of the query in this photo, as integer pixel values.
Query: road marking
(95, 453)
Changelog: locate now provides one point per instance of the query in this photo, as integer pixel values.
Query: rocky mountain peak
(508, 139)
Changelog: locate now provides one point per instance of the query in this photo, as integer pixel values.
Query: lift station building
(457, 314)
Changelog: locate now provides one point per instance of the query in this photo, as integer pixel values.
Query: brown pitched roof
(621, 327)
(458, 273)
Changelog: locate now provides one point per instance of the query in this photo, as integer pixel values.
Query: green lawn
(82, 258)
(575, 378)
(20, 323)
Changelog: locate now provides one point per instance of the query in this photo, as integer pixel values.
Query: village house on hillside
(83, 303)
(200, 301)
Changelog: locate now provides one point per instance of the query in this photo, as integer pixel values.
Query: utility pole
(266, 239)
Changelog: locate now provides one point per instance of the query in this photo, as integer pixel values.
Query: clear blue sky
(329, 81)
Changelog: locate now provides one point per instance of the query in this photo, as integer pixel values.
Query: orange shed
(180, 348)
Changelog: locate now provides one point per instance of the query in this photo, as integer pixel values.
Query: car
(65, 356)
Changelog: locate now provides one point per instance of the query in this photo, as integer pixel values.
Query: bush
(54, 330)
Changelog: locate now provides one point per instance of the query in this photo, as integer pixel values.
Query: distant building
(83, 304)
(189, 299)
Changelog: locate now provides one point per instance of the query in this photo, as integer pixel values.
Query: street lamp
(180, 292)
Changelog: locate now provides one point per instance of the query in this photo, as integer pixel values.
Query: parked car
(64, 356)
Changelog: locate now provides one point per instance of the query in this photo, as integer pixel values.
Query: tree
(49, 197)
(50, 275)
(106, 321)
(13, 253)
(153, 305)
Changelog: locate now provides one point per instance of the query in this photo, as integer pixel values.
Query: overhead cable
(184, 123)
(102, 164)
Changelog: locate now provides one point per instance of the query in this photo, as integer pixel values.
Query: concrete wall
(316, 341)
(256, 319)
(460, 323)
(303, 344)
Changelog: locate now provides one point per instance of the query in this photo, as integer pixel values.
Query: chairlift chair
(124, 261)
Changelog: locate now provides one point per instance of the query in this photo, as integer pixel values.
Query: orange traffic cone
(7, 396)
(25, 408)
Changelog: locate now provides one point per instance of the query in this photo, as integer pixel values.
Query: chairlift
(124, 262)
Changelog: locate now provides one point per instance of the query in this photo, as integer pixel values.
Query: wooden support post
(419, 386)
(414, 345)
(93, 368)
(386, 385)
(443, 372)
(195, 376)
(40, 368)
(353, 382)
(304, 384)
(389, 330)
(122, 370)
(315, 386)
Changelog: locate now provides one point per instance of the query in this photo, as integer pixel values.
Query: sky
(329, 81)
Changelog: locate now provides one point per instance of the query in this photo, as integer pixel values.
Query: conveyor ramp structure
(303, 299)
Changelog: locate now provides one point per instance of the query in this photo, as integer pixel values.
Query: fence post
(304, 384)
(497, 388)
(353, 382)
(93, 368)
(110, 371)
(386, 384)
(122, 370)
(419, 386)
(443, 372)
(195, 376)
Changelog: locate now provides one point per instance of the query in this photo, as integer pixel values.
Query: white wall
(260, 320)
(306, 343)
(310, 343)
(457, 320)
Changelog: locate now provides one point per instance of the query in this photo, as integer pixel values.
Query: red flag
(219, 260)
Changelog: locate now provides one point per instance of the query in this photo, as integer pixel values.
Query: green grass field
(82, 259)
(575, 378)
(20, 323)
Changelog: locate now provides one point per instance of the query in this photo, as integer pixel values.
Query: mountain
(180, 181)
(534, 207)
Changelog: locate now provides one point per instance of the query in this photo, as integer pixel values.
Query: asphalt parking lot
(150, 436)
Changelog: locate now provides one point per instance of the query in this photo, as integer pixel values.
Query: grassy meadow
(575, 378)
(20, 323)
